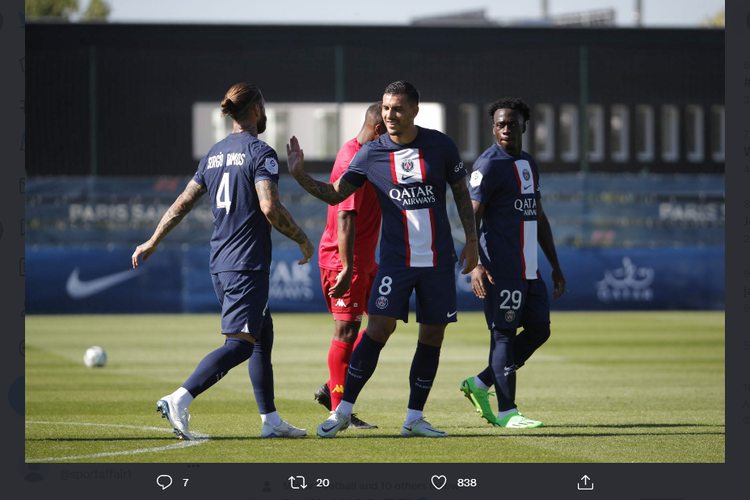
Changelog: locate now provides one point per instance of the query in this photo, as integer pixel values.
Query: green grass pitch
(610, 387)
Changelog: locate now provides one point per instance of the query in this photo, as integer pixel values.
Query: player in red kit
(347, 264)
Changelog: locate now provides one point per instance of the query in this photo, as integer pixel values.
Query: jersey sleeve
(266, 165)
(356, 174)
(480, 181)
(198, 177)
(455, 169)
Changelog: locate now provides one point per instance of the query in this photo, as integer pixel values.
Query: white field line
(202, 438)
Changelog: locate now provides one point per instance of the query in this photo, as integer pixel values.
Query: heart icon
(438, 481)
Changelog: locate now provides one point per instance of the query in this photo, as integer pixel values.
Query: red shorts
(353, 304)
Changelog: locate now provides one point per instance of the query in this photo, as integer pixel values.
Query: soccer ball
(95, 356)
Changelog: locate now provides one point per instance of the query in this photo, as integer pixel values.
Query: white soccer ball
(95, 356)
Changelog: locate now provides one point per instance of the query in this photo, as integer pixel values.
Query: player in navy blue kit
(507, 203)
(240, 174)
(409, 168)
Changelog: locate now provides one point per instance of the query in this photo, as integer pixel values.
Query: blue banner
(85, 280)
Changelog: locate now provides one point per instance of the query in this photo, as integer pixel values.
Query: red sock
(339, 355)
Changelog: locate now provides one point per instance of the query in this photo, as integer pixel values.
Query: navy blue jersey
(242, 235)
(410, 181)
(509, 189)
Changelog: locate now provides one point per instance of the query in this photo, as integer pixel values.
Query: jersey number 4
(222, 195)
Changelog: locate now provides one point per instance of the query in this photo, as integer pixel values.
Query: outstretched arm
(179, 209)
(333, 194)
(469, 254)
(544, 236)
(345, 231)
(280, 218)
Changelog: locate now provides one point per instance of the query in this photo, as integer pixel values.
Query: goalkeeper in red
(504, 187)
(347, 264)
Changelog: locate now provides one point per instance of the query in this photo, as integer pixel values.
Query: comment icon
(164, 481)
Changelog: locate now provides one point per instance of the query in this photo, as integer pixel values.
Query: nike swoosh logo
(404, 177)
(450, 315)
(78, 289)
(327, 430)
(527, 187)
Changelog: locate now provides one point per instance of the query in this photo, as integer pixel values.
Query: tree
(51, 8)
(715, 21)
(98, 10)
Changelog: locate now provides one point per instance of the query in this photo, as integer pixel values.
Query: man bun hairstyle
(404, 88)
(239, 99)
(510, 103)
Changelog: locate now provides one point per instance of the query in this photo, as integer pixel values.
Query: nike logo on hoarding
(78, 289)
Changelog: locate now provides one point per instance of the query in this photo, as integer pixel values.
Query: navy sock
(486, 377)
(529, 340)
(503, 368)
(424, 367)
(361, 367)
(217, 364)
(261, 371)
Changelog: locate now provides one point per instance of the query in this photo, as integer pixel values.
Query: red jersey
(366, 222)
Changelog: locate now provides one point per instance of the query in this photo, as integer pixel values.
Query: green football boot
(517, 421)
(479, 398)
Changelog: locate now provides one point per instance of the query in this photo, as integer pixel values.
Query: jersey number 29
(222, 195)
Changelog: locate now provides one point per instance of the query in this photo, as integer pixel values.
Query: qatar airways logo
(413, 195)
(526, 205)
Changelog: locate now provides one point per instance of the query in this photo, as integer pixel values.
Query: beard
(262, 124)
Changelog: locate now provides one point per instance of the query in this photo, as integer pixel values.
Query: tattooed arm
(179, 209)
(280, 218)
(462, 198)
(333, 194)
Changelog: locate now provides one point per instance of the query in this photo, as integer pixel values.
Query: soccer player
(347, 264)
(505, 193)
(240, 173)
(409, 168)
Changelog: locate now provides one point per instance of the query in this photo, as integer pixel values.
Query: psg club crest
(526, 175)
(382, 302)
(407, 165)
(510, 316)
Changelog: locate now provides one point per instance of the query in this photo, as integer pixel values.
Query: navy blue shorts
(435, 293)
(243, 296)
(512, 303)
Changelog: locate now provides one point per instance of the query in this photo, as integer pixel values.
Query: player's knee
(539, 333)
(241, 348)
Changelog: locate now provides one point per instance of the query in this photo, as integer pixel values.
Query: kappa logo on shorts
(340, 303)
(382, 302)
(510, 316)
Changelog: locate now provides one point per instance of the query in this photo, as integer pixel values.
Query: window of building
(596, 133)
(717, 133)
(569, 133)
(322, 128)
(543, 121)
(670, 138)
(694, 133)
(468, 131)
(619, 133)
(644, 132)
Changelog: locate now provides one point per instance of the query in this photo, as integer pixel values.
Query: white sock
(503, 414)
(345, 407)
(182, 398)
(481, 385)
(272, 418)
(412, 415)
